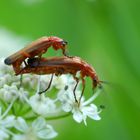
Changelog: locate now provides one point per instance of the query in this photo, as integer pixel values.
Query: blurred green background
(105, 33)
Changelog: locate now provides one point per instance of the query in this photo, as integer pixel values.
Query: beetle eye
(64, 43)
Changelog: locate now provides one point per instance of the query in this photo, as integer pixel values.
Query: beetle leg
(83, 84)
(77, 81)
(21, 77)
(48, 85)
(65, 53)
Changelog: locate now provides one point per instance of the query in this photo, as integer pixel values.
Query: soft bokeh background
(106, 33)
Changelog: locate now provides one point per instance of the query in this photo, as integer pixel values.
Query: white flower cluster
(30, 121)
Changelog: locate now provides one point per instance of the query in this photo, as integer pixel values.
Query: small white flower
(5, 123)
(60, 82)
(2, 81)
(3, 135)
(8, 121)
(80, 111)
(22, 93)
(38, 129)
(67, 98)
(42, 105)
(8, 93)
(30, 80)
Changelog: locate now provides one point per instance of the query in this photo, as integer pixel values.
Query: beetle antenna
(104, 82)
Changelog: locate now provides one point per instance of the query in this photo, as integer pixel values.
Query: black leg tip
(40, 93)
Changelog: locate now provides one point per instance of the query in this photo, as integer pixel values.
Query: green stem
(52, 118)
(8, 109)
(58, 117)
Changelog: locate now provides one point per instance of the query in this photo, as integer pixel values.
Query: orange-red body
(61, 65)
(36, 48)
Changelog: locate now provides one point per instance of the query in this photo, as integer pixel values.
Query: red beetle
(62, 65)
(36, 48)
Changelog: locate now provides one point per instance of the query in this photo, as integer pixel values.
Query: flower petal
(77, 116)
(9, 121)
(66, 107)
(84, 119)
(91, 111)
(42, 105)
(3, 135)
(60, 82)
(47, 133)
(21, 124)
(39, 124)
(96, 117)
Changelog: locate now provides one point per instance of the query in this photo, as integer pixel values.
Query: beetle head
(58, 43)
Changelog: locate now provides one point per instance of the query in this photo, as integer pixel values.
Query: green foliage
(106, 33)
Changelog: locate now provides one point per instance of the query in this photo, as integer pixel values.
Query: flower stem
(92, 98)
(58, 116)
(53, 117)
(8, 109)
